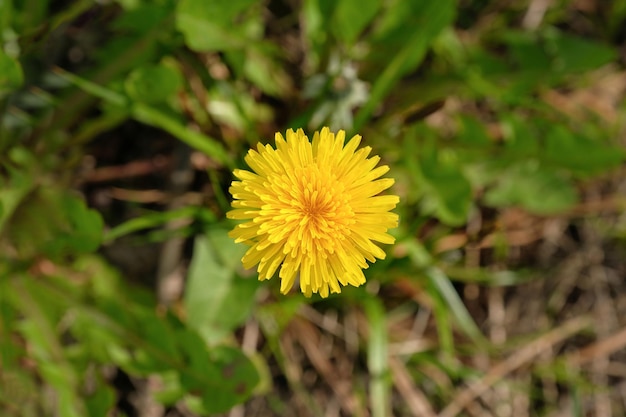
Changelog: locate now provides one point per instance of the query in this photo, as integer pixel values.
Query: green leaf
(6, 12)
(63, 379)
(39, 328)
(209, 25)
(580, 154)
(352, 16)
(156, 332)
(575, 54)
(448, 192)
(200, 372)
(266, 73)
(238, 377)
(101, 401)
(405, 35)
(144, 17)
(527, 51)
(538, 189)
(473, 135)
(54, 222)
(35, 224)
(521, 139)
(170, 390)
(216, 300)
(83, 233)
(316, 16)
(153, 84)
(17, 183)
(11, 76)
(152, 116)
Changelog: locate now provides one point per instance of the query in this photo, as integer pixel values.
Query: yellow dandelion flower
(313, 208)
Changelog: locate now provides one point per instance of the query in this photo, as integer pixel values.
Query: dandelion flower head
(313, 208)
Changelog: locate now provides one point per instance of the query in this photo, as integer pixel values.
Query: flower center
(311, 211)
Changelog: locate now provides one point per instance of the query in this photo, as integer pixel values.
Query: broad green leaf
(528, 51)
(536, 188)
(473, 133)
(155, 331)
(35, 224)
(486, 63)
(170, 390)
(54, 222)
(521, 139)
(11, 76)
(17, 183)
(200, 371)
(153, 84)
(144, 17)
(352, 16)
(84, 225)
(99, 343)
(266, 72)
(580, 154)
(575, 54)
(209, 25)
(238, 377)
(216, 299)
(448, 193)
(101, 400)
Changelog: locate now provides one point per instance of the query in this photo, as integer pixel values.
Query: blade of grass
(377, 358)
(194, 139)
(60, 297)
(522, 356)
(445, 332)
(153, 117)
(39, 331)
(435, 17)
(444, 286)
(148, 221)
(75, 104)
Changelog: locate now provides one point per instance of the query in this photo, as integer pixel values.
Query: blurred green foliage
(72, 71)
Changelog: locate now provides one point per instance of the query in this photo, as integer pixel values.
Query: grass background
(502, 122)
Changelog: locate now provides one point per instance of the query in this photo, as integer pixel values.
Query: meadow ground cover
(488, 186)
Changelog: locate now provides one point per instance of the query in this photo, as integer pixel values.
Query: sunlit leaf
(579, 153)
(238, 377)
(575, 54)
(209, 25)
(153, 84)
(352, 16)
(536, 188)
(216, 299)
(449, 192)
